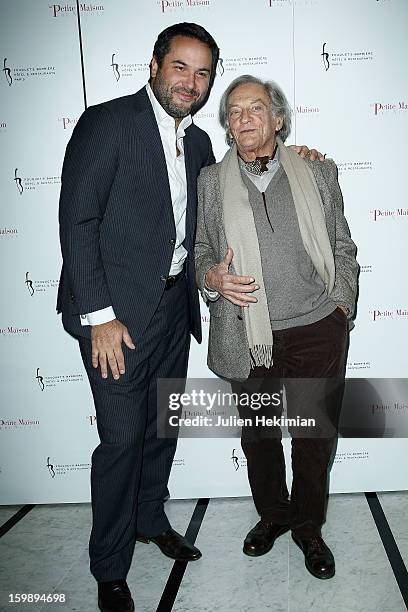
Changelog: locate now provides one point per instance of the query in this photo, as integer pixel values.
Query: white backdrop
(342, 65)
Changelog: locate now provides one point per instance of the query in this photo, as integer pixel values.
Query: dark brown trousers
(309, 362)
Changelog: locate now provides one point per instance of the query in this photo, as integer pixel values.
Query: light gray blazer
(228, 350)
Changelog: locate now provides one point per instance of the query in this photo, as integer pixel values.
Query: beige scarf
(241, 236)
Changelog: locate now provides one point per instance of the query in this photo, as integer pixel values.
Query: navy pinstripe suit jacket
(116, 218)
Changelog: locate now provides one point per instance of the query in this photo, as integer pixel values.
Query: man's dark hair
(190, 30)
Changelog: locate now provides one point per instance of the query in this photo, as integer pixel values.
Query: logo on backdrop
(382, 214)
(62, 469)
(9, 232)
(7, 73)
(169, 5)
(385, 108)
(358, 365)
(388, 313)
(68, 122)
(115, 68)
(50, 467)
(23, 73)
(234, 460)
(307, 110)
(122, 70)
(40, 286)
(325, 57)
(240, 63)
(29, 285)
(91, 419)
(40, 380)
(18, 181)
(49, 382)
(62, 10)
(19, 423)
(13, 330)
(238, 460)
(342, 58)
(354, 166)
(31, 183)
(220, 66)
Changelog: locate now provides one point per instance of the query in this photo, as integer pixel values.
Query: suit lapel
(148, 131)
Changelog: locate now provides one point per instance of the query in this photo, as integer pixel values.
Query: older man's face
(251, 122)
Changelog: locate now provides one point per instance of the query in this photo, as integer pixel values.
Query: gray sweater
(295, 292)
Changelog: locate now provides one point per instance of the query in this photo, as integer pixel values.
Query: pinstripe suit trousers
(131, 466)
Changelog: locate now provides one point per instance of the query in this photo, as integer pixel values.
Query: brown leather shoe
(319, 559)
(262, 537)
(173, 545)
(114, 596)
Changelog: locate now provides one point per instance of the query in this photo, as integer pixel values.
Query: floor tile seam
(179, 568)
(21, 513)
(389, 545)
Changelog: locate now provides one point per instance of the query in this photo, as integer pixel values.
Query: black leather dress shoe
(319, 559)
(114, 596)
(173, 545)
(261, 538)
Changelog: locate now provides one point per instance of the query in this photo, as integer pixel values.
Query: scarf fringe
(261, 355)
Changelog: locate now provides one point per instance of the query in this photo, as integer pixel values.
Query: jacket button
(172, 241)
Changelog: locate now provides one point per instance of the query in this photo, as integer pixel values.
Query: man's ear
(279, 124)
(154, 66)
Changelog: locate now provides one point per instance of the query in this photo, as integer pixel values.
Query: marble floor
(46, 552)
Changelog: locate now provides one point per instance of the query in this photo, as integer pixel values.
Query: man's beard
(163, 95)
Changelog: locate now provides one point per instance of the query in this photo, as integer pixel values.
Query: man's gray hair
(279, 104)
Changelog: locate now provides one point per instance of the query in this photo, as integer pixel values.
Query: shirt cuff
(98, 317)
(210, 294)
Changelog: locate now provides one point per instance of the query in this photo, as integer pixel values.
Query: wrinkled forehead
(248, 93)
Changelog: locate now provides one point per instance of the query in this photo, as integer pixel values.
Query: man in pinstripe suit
(127, 290)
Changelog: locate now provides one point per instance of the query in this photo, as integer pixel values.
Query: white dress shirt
(172, 141)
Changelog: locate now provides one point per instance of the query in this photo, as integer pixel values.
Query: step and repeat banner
(342, 65)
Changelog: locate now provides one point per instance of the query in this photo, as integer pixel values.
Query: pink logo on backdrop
(68, 122)
(382, 108)
(381, 214)
(60, 10)
(388, 313)
(307, 110)
(168, 5)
